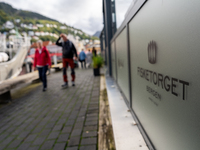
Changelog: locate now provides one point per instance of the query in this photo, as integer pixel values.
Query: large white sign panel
(113, 54)
(122, 62)
(165, 70)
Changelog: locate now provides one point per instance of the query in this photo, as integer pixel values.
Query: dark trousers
(30, 67)
(42, 75)
(83, 61)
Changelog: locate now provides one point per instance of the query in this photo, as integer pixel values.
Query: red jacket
(42, 59)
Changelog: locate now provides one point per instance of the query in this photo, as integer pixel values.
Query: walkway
(57, 119)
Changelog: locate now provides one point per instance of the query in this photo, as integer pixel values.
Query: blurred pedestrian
(29, 62)
(89, 58)
(94, 52)
(68, 50)
(42, 61)
(82, 57)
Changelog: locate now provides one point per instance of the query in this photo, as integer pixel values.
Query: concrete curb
(126, 133)
(105, 136)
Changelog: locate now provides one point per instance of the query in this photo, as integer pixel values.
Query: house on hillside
(63, 27)
(22, 25)
(30, 33)
(80, 32)
(24, 33)
(42, 33)
(25, 26)
(30, 26)
(34, 27)
(9, 25)
(46, 33)
(40, 25)
(35, 37)
(55, 35)
(12, 31)
(17, 20)
(37, 33)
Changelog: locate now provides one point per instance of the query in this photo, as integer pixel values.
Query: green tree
(48, 38)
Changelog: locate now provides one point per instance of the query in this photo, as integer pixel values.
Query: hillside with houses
(38, 27)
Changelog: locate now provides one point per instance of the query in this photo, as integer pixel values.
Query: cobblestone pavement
(58, 119)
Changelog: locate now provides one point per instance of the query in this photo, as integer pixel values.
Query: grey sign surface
(165, 92)
(113, 55)
(122, 62)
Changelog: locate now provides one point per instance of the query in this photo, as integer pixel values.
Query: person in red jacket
(42, 61)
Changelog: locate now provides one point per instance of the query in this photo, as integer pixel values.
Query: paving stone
(61, 121)
(2, 147)
(80, 119)
(24, 146)
(93, 115)
(57, 127)
(90, 128)
(45, 132)
(72, 148)
(79, 125)
(53, 135)
(34, 148)
(50, 125)
(8, 140)
(48, 144)
(92, 119)
(73, 141)
(76, 132)
(38, 141)
(63, 138)
(2, 137)
(14, 144)
(30, 127)
(24, 134)
(91, 123)
(8, 131)
(59, 146)
(90, 147)
(89, 134)
(70, 122)
(43, 123)
(89, 141)
(67, 129)
(30, 138)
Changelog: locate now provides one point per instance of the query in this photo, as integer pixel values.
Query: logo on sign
(152, 52)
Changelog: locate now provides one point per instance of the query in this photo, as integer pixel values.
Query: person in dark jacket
(68, 50)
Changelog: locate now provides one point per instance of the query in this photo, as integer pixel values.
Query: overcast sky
(82, 14)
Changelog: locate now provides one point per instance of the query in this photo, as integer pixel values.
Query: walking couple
(43, 61)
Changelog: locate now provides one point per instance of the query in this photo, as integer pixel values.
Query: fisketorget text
(164, 81)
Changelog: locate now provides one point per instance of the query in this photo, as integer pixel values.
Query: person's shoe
(44, 89)
(65, 85)
(73, 84)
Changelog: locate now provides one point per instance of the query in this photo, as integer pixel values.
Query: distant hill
(97, 34)
(9, 10)
(26, 20)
